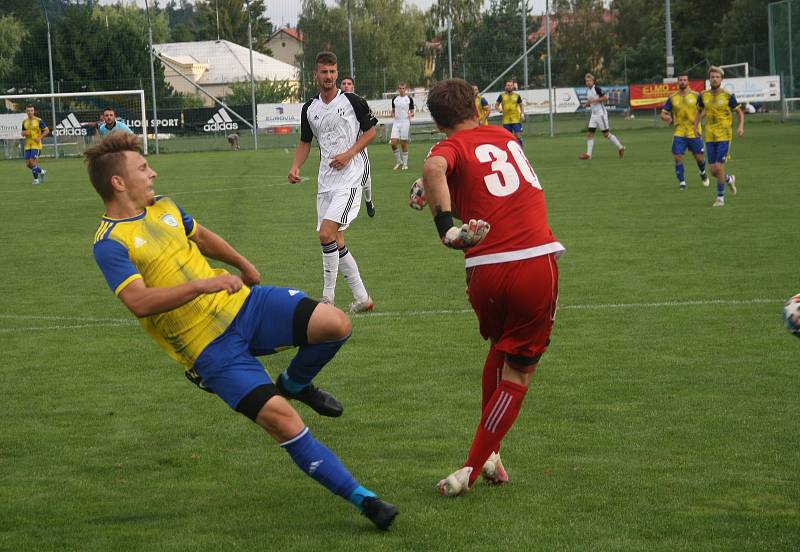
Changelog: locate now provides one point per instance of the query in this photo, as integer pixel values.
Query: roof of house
(294, 33)
(227, 62)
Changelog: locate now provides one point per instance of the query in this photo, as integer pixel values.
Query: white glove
(468, 235)
(416, 197)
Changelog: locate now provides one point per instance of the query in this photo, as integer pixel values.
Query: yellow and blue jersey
(719, 114)
(155, 247)
(684, 110)
(35, 128)
(482, 108)
(509, 102)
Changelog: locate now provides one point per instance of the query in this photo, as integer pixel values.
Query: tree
(378, 56)
(182, 20)
(12, 35)
(267, 91)
(233, 22)
(583, 40)
(464, 16)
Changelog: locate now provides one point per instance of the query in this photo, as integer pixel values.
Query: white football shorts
(599, 121)
(401, 130)
(341, 206)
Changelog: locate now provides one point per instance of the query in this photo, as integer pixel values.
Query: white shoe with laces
(731, 182)
(361, 306)
(719, 202)
(455, 484)
(493, 470)
(397, 167)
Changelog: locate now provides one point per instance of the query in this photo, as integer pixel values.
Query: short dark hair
(109, 108)
(31, 106)
(326, 58)
(451, 102)
(682, 74)
(348, 77)
(105, 160)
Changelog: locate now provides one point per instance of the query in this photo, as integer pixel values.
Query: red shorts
(516, 303)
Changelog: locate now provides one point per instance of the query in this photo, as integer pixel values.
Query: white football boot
(361, 306)
(719, 202)
(493, 470)
(455, 484)
(732, 183)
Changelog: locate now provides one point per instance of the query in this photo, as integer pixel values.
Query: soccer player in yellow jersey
(34, 130)
(153, 256)
(510, 103)
(717, 106)
(680, 110)
(481, 106)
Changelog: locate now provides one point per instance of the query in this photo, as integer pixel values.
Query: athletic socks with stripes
(498, 417)
(330, 269)
(350, 271)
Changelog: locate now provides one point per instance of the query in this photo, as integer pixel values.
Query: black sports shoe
(320, 401)
(370, 209)
(379, 512)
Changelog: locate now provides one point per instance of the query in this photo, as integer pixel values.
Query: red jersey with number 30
(490, 178)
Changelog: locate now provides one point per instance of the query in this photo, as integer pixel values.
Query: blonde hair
(589, 76)
(715, 69)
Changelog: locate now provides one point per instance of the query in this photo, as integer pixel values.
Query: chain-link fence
(784, 44)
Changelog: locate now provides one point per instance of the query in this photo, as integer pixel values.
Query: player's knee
(277, 417)
(679, 158)
(327, 323)
(524, 364)
(254, 402)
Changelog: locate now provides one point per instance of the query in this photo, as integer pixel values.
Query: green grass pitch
(666, 415)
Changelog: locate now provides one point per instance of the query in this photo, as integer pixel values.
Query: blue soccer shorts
(513, 128)
(717, 152)
(228, 366)
(31, 154)
(680, 143)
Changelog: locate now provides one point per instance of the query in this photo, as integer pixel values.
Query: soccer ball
(791, 315)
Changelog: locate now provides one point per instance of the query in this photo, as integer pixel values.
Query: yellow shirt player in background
(153, 256)
(717, 106)
(680, 110)
(34, 130)
(510, 103)
(482, 107)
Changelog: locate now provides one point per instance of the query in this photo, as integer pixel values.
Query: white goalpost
(70, 130)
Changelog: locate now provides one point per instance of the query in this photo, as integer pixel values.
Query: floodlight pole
(152, 79)
(449, 45)
(524, 7)
(252, 78)
(551, 95)
(52, 85)
(668, 31)
(350, 42)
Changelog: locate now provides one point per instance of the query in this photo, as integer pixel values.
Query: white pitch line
(113, 322)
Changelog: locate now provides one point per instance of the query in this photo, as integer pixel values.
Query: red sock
(498, 417)
(492, 374)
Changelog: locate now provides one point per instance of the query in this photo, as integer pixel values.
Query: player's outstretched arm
(213, 246)
(300, 156)
(143, 301)
(434, 177)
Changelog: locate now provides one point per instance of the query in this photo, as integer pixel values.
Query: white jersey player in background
(343, 125)
(349, 87)
(402, 112)
(596, 99)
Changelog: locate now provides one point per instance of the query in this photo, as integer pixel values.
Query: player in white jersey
(349, 86)
(596, 99)
(343, 125)
(402, 112)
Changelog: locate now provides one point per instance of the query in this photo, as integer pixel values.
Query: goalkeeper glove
(416, 197)
(468, 235)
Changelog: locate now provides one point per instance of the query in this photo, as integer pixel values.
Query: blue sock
(702, 166)
(357, 497)
(36, 170)
(322, 465)
(679, 171)
(307, 363)
(720, 189)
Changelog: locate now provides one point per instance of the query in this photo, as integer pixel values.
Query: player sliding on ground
(153, 256)
(481, 175)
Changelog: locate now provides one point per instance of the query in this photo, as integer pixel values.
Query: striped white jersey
(594, 93)
(402, 105)
(337, 126)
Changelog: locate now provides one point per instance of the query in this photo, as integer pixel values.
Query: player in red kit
(480, 174)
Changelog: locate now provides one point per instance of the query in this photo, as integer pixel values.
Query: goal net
(72, 118)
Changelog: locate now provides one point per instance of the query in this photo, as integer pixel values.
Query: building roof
(227, 62)
(294, 33)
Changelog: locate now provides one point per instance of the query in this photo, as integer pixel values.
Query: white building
(216, 64)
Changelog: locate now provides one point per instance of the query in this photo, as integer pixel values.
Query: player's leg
(394, 138)
(678, 149)
(344, 209)
(614, 140)
(589, 141)
(327, 229)
(366, 188)
(700, 159)
(404, 148)
(518, 133)
(30, 162)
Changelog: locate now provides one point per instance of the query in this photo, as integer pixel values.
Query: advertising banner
(653, 96)
(11, 126)
(617, 97)
(754, 89)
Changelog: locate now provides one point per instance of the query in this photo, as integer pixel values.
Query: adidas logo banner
(220, 121)
(69, 126)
